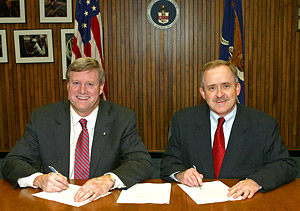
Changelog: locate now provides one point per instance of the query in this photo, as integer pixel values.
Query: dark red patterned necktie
(219, 147)
(82, 158)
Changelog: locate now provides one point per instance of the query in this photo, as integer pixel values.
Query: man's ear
(238, 89)
(101, 89)
(202, 92)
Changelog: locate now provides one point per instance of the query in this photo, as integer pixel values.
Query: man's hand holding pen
(190, 177)
(51, 182)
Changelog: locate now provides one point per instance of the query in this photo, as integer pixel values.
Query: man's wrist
(110, 180)
(113, 179)
(36, 181)
(116, 181)
(29, 181)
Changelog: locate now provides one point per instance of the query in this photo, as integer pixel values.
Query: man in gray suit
(115, 154)
(253, 150)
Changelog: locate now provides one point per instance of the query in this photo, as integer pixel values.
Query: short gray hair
(217, 63)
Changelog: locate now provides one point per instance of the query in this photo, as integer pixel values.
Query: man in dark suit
(115, 154)
(252, 147)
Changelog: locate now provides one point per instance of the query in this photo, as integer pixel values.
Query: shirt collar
(227, 118)
(91, 118)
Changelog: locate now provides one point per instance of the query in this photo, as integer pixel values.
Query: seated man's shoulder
(47, 115)
(52, 108)
(257, 115)
(114, 108)
(189, 116)
(193, 111)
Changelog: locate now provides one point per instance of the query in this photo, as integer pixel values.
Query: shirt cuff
(173, 176)
(118, 181)
(28, 181)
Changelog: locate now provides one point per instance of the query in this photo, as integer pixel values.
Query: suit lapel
(238, 136)
(202, 139)
(62, 140)
(101, 134)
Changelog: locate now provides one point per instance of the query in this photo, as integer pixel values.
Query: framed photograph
(33, 46)
(66, 49)
(12, 11)
(56, 11)
(3, 47)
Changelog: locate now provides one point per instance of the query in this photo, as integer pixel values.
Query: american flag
(88, 41)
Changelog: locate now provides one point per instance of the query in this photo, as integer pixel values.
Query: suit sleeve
(136, 163)
(21, 160)
(172, 160)
(279, 168)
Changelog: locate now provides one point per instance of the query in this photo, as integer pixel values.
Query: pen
(55, 171)
(196, 170)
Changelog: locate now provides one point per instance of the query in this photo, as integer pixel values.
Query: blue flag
(232, 41)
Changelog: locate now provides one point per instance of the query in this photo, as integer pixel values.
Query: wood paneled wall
(156, 72)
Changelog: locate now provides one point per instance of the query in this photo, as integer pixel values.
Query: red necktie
(219, 147)
(82, 158)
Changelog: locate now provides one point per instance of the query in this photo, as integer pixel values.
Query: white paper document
(209, 192)
(146, 193)
(66, 196)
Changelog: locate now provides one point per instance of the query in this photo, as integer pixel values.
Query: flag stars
(94, 8)
(86, 13)
(88, 2)
(84, 25)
